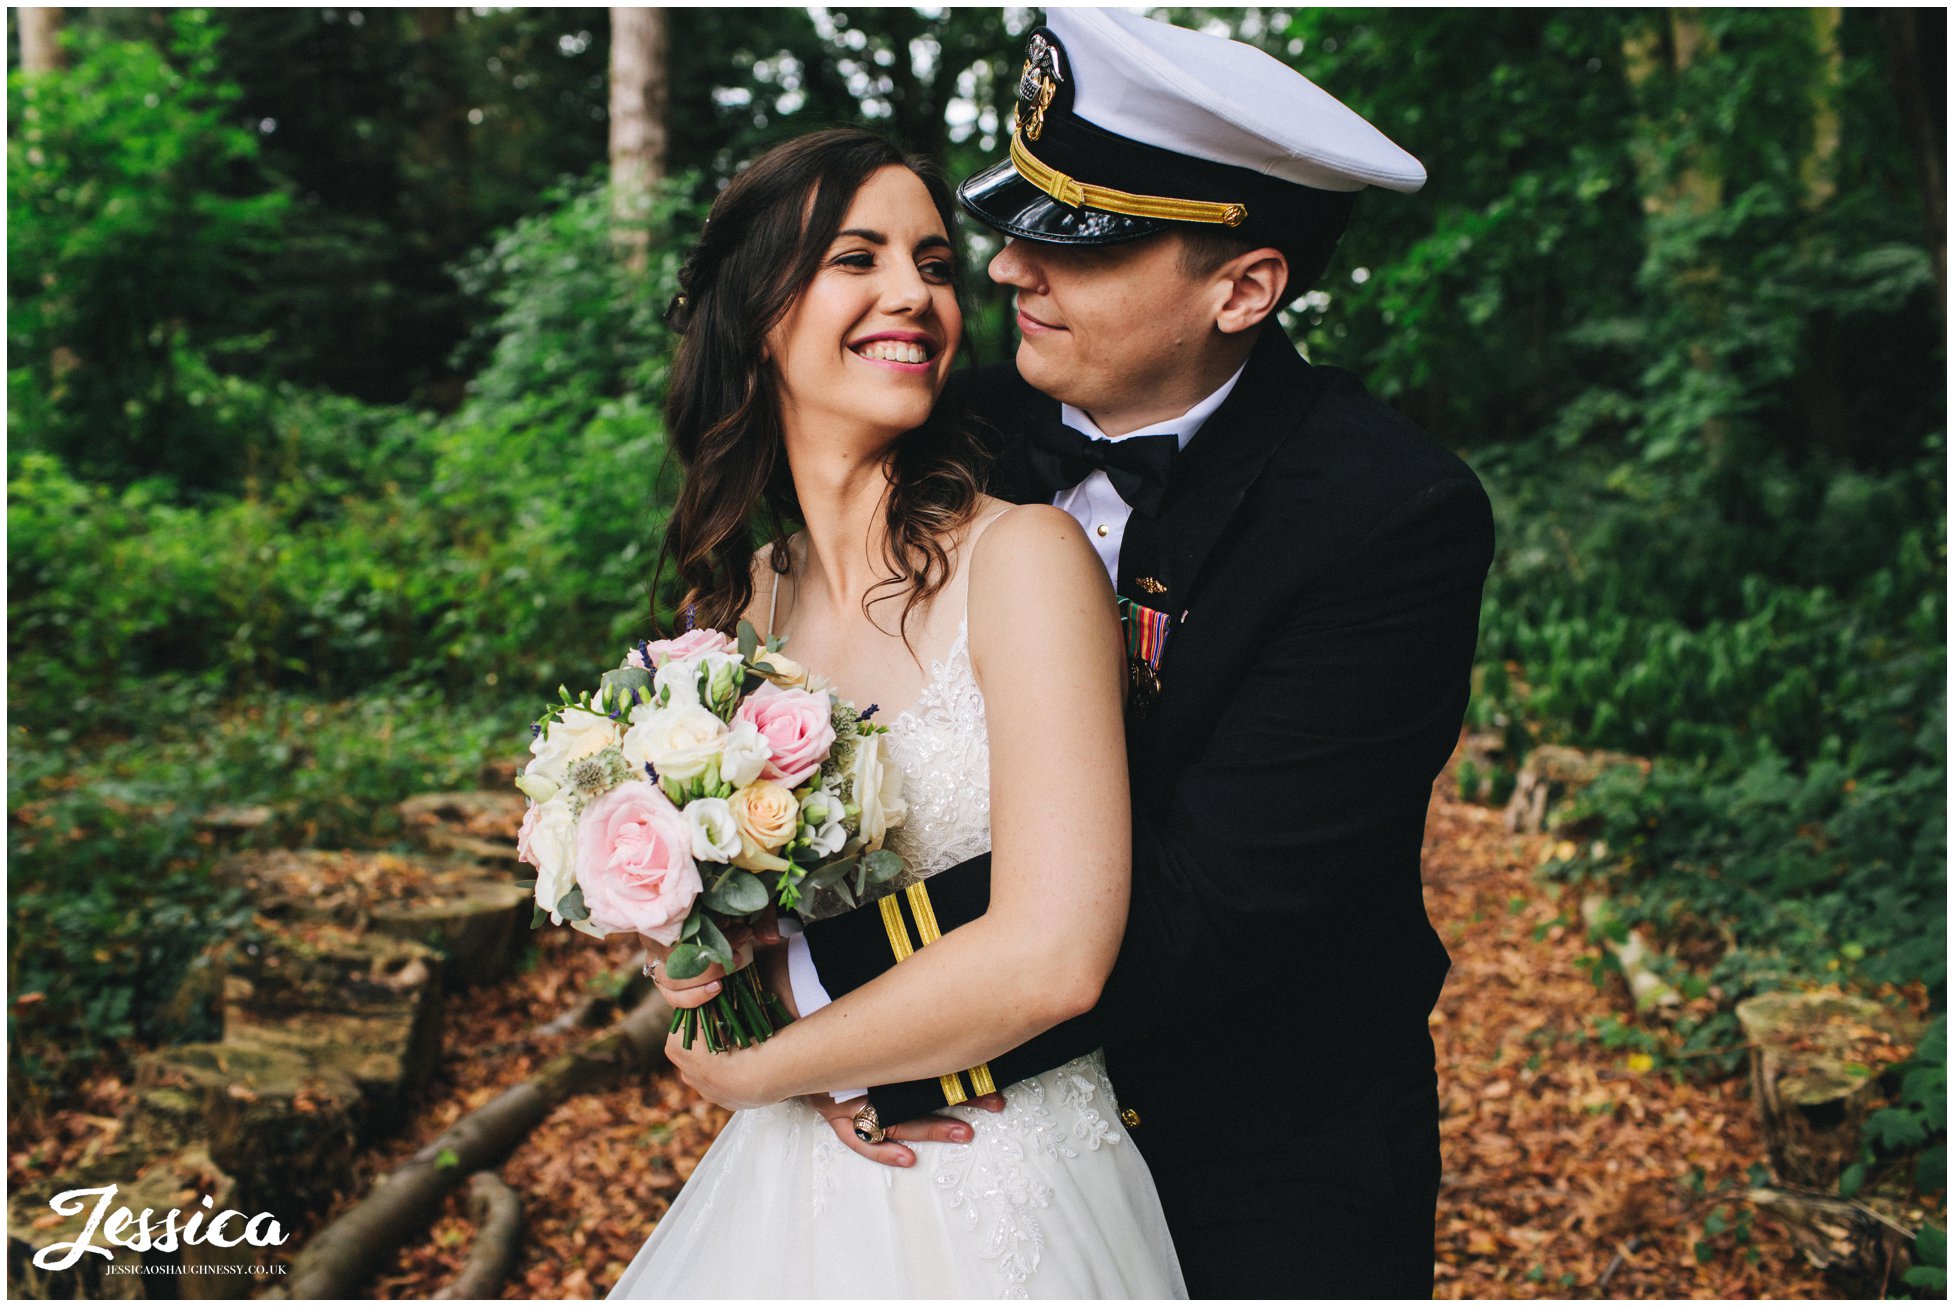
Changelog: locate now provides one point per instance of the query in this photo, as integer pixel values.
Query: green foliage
(110, 894)
(568, 330)
(136, 212)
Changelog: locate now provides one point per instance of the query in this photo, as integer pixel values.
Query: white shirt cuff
(810, 995)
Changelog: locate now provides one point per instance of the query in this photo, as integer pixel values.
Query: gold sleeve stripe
(899, 944)
(926, 927)
(1077, 194)
(897, 928)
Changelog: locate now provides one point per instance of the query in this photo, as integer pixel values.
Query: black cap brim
(1000, 197)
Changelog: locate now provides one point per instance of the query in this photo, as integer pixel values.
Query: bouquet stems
(740, 1015)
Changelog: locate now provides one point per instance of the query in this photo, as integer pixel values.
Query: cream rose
(577, 734)
(787, 673)
(878, 790)
(680, 741)
(767, 815)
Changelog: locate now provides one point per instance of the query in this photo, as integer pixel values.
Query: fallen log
(497, 1213)
(339, 1260)
(1861, 1249)
(1633, 953)
(1552, 773)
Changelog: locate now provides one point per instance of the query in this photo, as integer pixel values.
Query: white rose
(715, 835)
(878, 790)
(577, 734)
(549, 844)
(677, 682)
(689, 680)
(744, 754)
(681, 741)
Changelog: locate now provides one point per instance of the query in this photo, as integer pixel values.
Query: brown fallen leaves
(1566, 1162)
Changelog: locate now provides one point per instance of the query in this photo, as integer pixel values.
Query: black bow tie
(1060, 457)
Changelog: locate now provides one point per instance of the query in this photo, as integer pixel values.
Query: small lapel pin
(1151, 586)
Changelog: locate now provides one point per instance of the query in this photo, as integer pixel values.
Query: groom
(1300, 573)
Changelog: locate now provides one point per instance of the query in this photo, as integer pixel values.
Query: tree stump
(477, 824)
(32, 1225)
(339, 885)
(275, 1122)
(1552, 774)
(1815, 1061)
(179, 1181)
(479, 926)
(228, 824)
(366, 1006)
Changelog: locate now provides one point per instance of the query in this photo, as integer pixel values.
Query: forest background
(336, 361)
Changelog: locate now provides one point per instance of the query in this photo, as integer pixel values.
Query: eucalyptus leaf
(624, 683)
(686, 961)
(692, 923)
(571, 906)
(883, 866)
(749, 640)
(715, 944)
(736, 893)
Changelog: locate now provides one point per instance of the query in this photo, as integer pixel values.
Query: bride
(820, 319)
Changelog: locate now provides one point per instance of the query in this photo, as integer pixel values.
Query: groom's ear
(1256, 281)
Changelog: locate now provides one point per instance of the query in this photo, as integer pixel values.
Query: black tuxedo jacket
(1322, 561)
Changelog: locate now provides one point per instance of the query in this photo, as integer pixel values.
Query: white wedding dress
(1050, 1198)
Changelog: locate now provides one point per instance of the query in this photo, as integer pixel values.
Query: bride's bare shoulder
(1033, 547)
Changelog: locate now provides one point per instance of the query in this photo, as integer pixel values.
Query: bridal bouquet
(705, 779)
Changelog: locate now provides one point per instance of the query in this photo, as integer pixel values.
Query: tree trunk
(1918, 70)
(40, 52)
(1819, 172)
(498, 1230)
(639, 89)
(340, 1259)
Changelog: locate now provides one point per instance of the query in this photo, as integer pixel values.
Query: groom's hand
(923, 1130)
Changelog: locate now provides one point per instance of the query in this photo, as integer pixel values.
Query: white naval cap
(1222, 100)
(1126, 127)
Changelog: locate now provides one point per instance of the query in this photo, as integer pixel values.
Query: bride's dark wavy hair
(761, 246)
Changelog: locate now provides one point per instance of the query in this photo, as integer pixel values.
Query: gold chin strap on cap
(926, 927)
(1080, 195)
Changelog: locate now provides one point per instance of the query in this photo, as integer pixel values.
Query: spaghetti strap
(978, 530)
(773, 603)
(969, 549)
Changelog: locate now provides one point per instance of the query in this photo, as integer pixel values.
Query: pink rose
(700, 640)
(634, 861)
(797, 728)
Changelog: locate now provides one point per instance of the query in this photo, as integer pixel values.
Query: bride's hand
(743, 936)
(923, 1130)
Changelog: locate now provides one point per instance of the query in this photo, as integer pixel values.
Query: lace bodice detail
(943, 748)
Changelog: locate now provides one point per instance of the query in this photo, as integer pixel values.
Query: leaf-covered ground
(1568, 1164)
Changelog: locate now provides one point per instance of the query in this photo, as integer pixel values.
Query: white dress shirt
(1098, 508)
(1094, 503)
